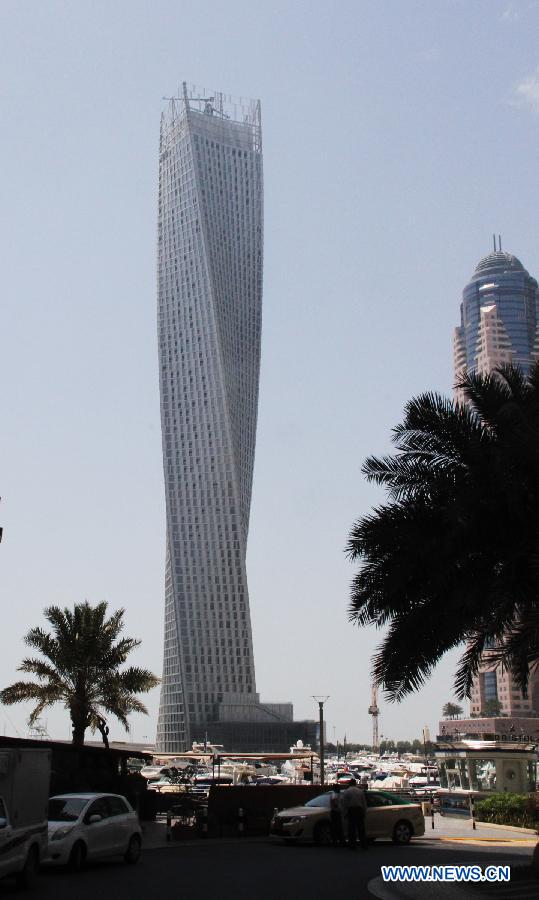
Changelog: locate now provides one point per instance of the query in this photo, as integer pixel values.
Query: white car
(92, 826)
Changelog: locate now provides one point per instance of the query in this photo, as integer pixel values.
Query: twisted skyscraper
(209, 323)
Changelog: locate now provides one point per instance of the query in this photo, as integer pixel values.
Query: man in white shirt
(354, 805)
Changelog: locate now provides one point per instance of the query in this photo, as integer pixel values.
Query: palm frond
(22, 691)
(456, 542)
(137, 681)
(82, 667)
(43, 670)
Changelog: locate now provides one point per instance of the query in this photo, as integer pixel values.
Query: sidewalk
(154, 837)
(448, 828)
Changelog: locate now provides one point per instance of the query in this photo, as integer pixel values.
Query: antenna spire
(494, 242)
(500, 241)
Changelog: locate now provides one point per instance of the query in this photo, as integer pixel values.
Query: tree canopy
(452, 710)
(80, 668)
(452, 557)
(492, 707)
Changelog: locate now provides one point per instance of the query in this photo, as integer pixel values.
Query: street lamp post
(321, 700)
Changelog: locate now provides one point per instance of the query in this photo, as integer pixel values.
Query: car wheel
(76, 857)
(134, 847)
(402, 833)
(322, 834)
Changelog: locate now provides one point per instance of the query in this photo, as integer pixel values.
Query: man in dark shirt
(336, 815)
(355, 808)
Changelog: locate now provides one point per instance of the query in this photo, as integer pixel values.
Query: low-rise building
(501, 728)
(274, 736)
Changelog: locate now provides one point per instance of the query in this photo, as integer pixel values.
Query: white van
(24, 793)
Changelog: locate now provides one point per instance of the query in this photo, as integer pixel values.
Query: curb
(495, 841)
(508, 828)
(473, 836)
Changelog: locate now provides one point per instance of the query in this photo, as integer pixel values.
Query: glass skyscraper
(499, 319)
(499, 316)
(209, 328)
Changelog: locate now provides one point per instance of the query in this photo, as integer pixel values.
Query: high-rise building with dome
(499, 324)
(209, 331)
(499, 315)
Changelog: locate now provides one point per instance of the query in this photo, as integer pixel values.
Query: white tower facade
(210, 249)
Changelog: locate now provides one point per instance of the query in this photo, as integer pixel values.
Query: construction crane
(374, 712)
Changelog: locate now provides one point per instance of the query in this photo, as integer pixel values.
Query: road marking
(526, 842)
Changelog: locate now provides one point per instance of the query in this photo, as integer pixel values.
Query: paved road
(255, 870)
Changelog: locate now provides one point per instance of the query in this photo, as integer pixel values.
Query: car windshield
(66, 809)
(324, 801)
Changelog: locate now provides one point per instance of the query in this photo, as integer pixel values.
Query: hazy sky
(397, 137)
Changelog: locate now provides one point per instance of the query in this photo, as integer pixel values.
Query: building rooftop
(473, 746)
(498, 262)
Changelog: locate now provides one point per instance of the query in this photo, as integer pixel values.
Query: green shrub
(507, 809)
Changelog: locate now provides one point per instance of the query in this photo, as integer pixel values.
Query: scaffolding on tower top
(216, 104)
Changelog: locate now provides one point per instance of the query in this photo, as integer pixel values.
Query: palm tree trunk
(104, 730)
(78, 733)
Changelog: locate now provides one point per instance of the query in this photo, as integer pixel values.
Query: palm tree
(453, 556)
(491, 707)
(452, 711)
(81, 669)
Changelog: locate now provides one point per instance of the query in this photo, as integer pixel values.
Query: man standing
(336, 815)
(355, 808)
